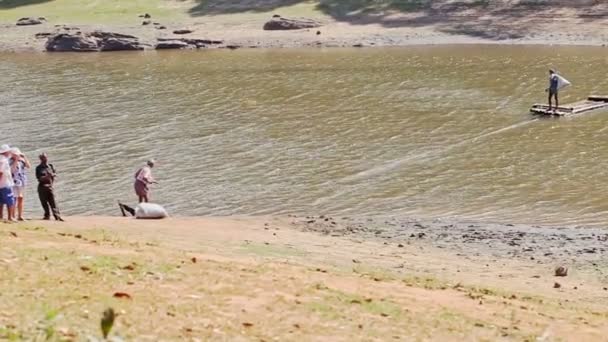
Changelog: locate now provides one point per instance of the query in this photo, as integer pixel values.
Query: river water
(423, 131)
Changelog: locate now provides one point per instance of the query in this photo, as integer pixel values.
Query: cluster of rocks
(30, 21)
(146, 22)
(279, 23)
(73, 39)
(92, 41)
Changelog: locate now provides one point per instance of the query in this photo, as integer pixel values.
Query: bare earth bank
(546, 25)
(300, 278)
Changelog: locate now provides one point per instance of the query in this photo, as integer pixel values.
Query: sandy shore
(301, 278)
(440, 24)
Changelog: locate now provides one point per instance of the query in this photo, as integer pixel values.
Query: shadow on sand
(215, 7)
(8, 4)
(488, 19)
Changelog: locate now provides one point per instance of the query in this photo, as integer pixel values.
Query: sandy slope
(345, 24)
(267, 278)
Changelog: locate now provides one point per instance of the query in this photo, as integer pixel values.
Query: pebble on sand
(561, 271)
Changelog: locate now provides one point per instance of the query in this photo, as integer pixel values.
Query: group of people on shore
(13, 180)
(14, 166)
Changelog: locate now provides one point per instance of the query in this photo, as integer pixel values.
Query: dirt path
(266, 279)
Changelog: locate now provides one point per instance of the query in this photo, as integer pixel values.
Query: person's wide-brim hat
(16, 150)
(5, 148)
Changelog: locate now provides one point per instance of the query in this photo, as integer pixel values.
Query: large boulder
(71, 42)
(92, 41)
(280, 23)
(30, 21)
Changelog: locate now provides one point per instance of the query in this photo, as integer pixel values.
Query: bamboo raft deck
(593, 102)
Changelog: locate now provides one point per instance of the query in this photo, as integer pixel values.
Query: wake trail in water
(421, 156)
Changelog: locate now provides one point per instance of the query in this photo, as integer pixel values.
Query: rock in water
(146, 22)
(290, 24)
(30, 21)
(561, 271)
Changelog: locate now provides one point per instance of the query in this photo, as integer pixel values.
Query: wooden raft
(591, 103)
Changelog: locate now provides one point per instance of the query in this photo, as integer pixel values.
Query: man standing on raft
(553, 88)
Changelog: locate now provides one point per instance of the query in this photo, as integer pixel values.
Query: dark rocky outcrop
(146, 22)
(30, 21)
(281, 23)
(178, 43)
(173, 44)
(146, 16)
(92, 41)
(119, 44)
(183, 31)
(71, 42)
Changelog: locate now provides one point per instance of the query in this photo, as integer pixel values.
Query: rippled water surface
(433, 131)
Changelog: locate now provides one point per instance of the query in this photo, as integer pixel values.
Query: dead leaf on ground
(85, 268)
(122, 295)
(129, 267)
(247, 324)
(13, 234)
(193, 260)
(355, 301)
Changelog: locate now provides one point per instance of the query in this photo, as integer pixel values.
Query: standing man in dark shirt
(45, 173)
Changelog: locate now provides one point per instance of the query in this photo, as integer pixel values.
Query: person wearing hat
(6, 184)
(143, 178)
(19, 166)
(46, 174)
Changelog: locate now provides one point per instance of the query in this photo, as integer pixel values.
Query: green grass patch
(93, 11)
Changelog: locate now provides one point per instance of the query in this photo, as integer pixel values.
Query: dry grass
(56, 282)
